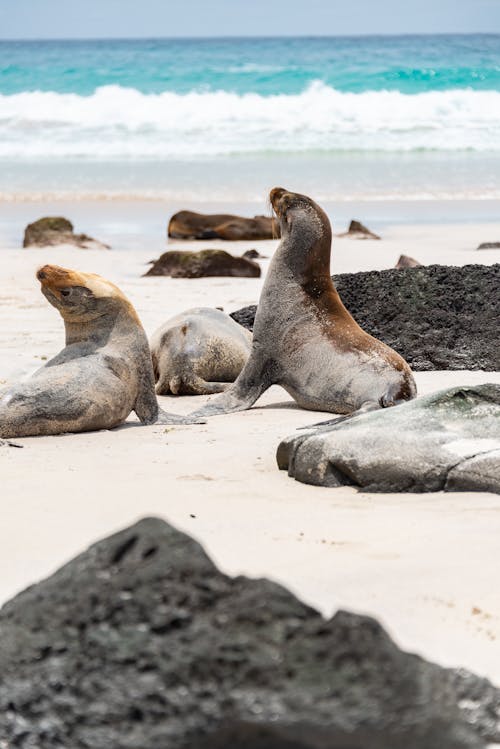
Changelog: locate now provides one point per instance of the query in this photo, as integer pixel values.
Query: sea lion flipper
(165, 417)
(365, 408)
(240, 396)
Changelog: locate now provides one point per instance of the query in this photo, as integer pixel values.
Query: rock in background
(141, 643)
(186, 264)
(56, 230)
(436, 317)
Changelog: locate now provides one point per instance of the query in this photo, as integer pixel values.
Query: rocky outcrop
(142, 642)
(190, 225)
(446, 441)
(357, 230)
(253, 255)
(405, 261)
(489, 246)
(55, 230)
(184, 264)
(436, 317)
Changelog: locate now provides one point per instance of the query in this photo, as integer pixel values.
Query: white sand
(426, 565)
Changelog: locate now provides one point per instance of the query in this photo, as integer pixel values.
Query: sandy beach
(425, 565)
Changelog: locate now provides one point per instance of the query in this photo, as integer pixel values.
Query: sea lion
(199, 352)
(191, 225)
(102, 374)
(304, 338)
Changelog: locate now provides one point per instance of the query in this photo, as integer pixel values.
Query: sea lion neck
(306, 248)
(100, 329)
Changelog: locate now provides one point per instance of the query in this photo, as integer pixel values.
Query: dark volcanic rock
(357, 230)
(489, 246)
(140, 643)
(183, 264)
(405, 261)
(436, 317)
(445, 441)
(190, 225)
(54, 230)
(253, 255)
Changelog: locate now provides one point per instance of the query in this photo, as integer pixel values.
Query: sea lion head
(81, 297)
(296, 211)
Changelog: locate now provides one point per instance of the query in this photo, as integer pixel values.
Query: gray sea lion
(304, 338)
(199, 352)
(102, 374)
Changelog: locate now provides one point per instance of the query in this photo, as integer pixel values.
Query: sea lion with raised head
(102, 374)
(199, 352)
(304, 339)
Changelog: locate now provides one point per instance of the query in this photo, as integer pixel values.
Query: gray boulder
(436, 317)
(55, 230)
(140, 642)
(448, 441)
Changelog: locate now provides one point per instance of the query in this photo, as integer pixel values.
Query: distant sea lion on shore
(199, 352)
(191, 225)
(102, 374)
(304, 338)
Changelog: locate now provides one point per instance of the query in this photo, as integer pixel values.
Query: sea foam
(118, 122)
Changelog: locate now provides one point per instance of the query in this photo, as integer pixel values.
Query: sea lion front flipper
(254, 380)
(164, 417)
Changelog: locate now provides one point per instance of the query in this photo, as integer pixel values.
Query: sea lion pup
(199, 352)
(304, 338)
(102, 375)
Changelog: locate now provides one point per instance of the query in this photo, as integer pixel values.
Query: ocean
(378, 118)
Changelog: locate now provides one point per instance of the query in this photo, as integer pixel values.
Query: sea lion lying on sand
(191, 225)
(102, 374)
(199, 352)
(304, 338)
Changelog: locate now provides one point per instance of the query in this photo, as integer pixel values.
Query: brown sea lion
(102, 374)
(304, 338)
(191, 225)
(199, 352)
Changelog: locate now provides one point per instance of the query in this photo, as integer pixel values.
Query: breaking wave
(118, 122)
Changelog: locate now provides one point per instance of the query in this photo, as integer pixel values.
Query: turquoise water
(375, 117)
(409, 64)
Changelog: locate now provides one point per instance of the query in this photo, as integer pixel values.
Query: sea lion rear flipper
(365, 408)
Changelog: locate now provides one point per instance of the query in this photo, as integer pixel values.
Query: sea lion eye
(65, 292)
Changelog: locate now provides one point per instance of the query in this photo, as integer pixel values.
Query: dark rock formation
(54, 230)
(357, 230)
(253, 255)
(140, 643)
(436, 317)
(445, 441)
(489, 246)
(405, 261)
(181, 264)
(190, 225)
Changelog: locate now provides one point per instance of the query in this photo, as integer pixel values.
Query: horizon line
(240, 37)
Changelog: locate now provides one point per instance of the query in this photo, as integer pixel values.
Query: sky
(35, 19)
